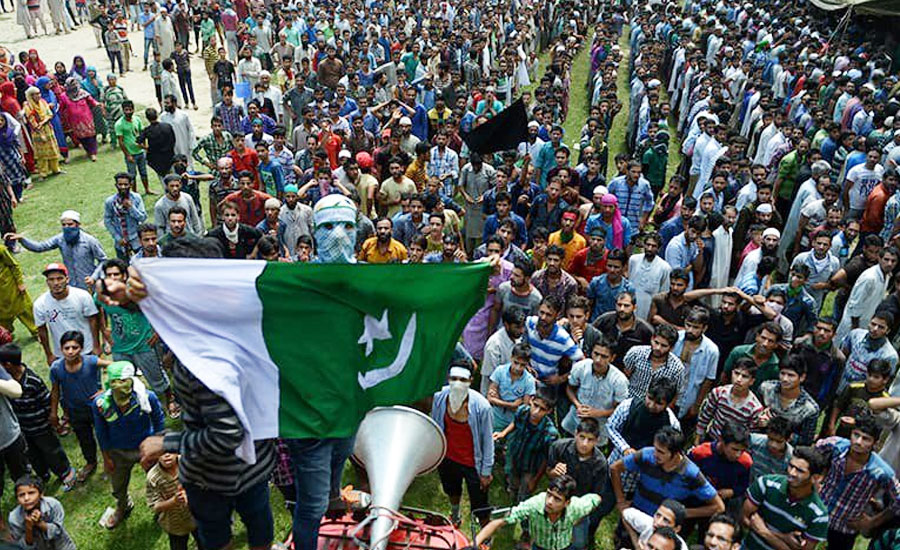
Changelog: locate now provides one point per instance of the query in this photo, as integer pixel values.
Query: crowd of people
(709, 348)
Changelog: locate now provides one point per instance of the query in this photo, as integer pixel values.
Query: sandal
(69, 480)
(119, 516)
(85, 472)
(174, 410)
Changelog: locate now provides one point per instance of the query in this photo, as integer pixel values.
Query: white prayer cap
(764, 208)
(265, 73)
(601, 190)
(70, 215)
(272, 203)
(533, 124)
(654, 83)
(405, 121)
(771, 231)
(344, 154)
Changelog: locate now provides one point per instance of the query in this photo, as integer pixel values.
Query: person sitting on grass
(530, 434)
(37, 521)
(551, 515)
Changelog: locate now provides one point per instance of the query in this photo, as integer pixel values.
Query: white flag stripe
(209, 313)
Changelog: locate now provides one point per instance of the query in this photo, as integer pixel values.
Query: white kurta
(722, 242)
(648, 278)
(165, 33)
(184, 133)
(867, 294)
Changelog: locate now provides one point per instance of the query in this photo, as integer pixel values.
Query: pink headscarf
(618, 230)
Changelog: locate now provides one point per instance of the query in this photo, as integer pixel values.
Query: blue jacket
(135, 216)
(492, 224)
(480, 422)
(126, 431)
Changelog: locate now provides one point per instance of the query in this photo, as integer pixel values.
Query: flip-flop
(69, 480)
(117, 518)
(85, 472)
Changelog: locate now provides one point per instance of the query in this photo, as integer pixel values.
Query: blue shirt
(149, 30)
(654, 485)
(77, 388)
(546, 352)
(801, 309)
(492, 224)
(127, 429)
(634, 200)
(603, 294)
(82, 259)
(596, 220)
(670, 229)
(480, 423)
(700, 368)
(509, 390)
(680, 254)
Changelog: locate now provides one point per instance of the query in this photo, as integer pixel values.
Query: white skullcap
(70, 215)
(534, 124)
(344, 154)
(764, 208)
(600, 190)
(273, 203)
(772, 231)
(405, 121)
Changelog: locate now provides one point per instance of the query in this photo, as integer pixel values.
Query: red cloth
(460, 447)
(580, 268)
(246, 160)
(332, 146)
(8, 102)
(35, 67)
(252, 211)
(873, 215)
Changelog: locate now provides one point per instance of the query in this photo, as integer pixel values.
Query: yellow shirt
(418, 173)
(369, 252)
(575, 244)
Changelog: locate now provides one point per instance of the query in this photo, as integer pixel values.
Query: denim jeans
(318, 465)
(213, 511)
(139, 165)
(148, 42)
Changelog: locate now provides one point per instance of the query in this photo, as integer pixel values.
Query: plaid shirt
(803, 412)
(231, 117)
(846, 496)
(212, 148)
(640, 370)
(446, 163)
(552, 535)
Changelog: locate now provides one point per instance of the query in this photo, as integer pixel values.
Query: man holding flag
(280, 371)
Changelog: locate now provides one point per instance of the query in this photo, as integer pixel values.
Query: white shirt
(497, 351)
(648, 278)
(61, 316)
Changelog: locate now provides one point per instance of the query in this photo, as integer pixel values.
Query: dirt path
(137, 83)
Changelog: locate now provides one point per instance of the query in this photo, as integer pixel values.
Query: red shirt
(460, 447)
(873, 215)
(247, 160)
(251, 211)
(580, 267)
(332, 146)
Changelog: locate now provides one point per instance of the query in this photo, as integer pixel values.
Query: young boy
(530, 434)
(75, 378)
(732, 403)
(581, 458)
(551, 515)
(37, 522)
(166, 497)
(726, 464)
(640, 526)
(32, 409)
(854, 400)
(156, 70)
(511, 386)
(771, 451)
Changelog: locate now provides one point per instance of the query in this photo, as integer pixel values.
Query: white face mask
(459, 391)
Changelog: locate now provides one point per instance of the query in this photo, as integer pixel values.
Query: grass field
(83, 188)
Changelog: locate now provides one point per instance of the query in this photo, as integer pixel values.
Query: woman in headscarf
(45, 85)
(12, 167)
(15, 303)
(79, 68)
(92, 85)
(618, 229)
(60, 73)
(40, 117)
(76, 107)
(35, 66)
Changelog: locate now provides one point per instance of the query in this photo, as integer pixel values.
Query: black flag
(505, 131)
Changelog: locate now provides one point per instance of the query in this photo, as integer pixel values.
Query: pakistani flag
(305, 350)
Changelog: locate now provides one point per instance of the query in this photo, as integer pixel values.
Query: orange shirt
(576, 243)
(873, 214)
(369, 252)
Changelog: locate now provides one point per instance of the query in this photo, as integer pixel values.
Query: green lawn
(83, 188)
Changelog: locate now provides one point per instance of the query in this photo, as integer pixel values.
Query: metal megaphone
(394, 445)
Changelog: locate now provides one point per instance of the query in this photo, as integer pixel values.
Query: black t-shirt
(638, 335)
(160, 138)
(672, 315)
(726, 336)
(224, 71)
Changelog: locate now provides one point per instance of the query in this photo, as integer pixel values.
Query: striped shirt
(162, 486)
(552, 535)
(212, 433)
(634, 200)
(764, 462)
(640, 371)
(846, 495)
(546, 352)
(655, 485)
(33, 407)
(720, 408)
(783, 514)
